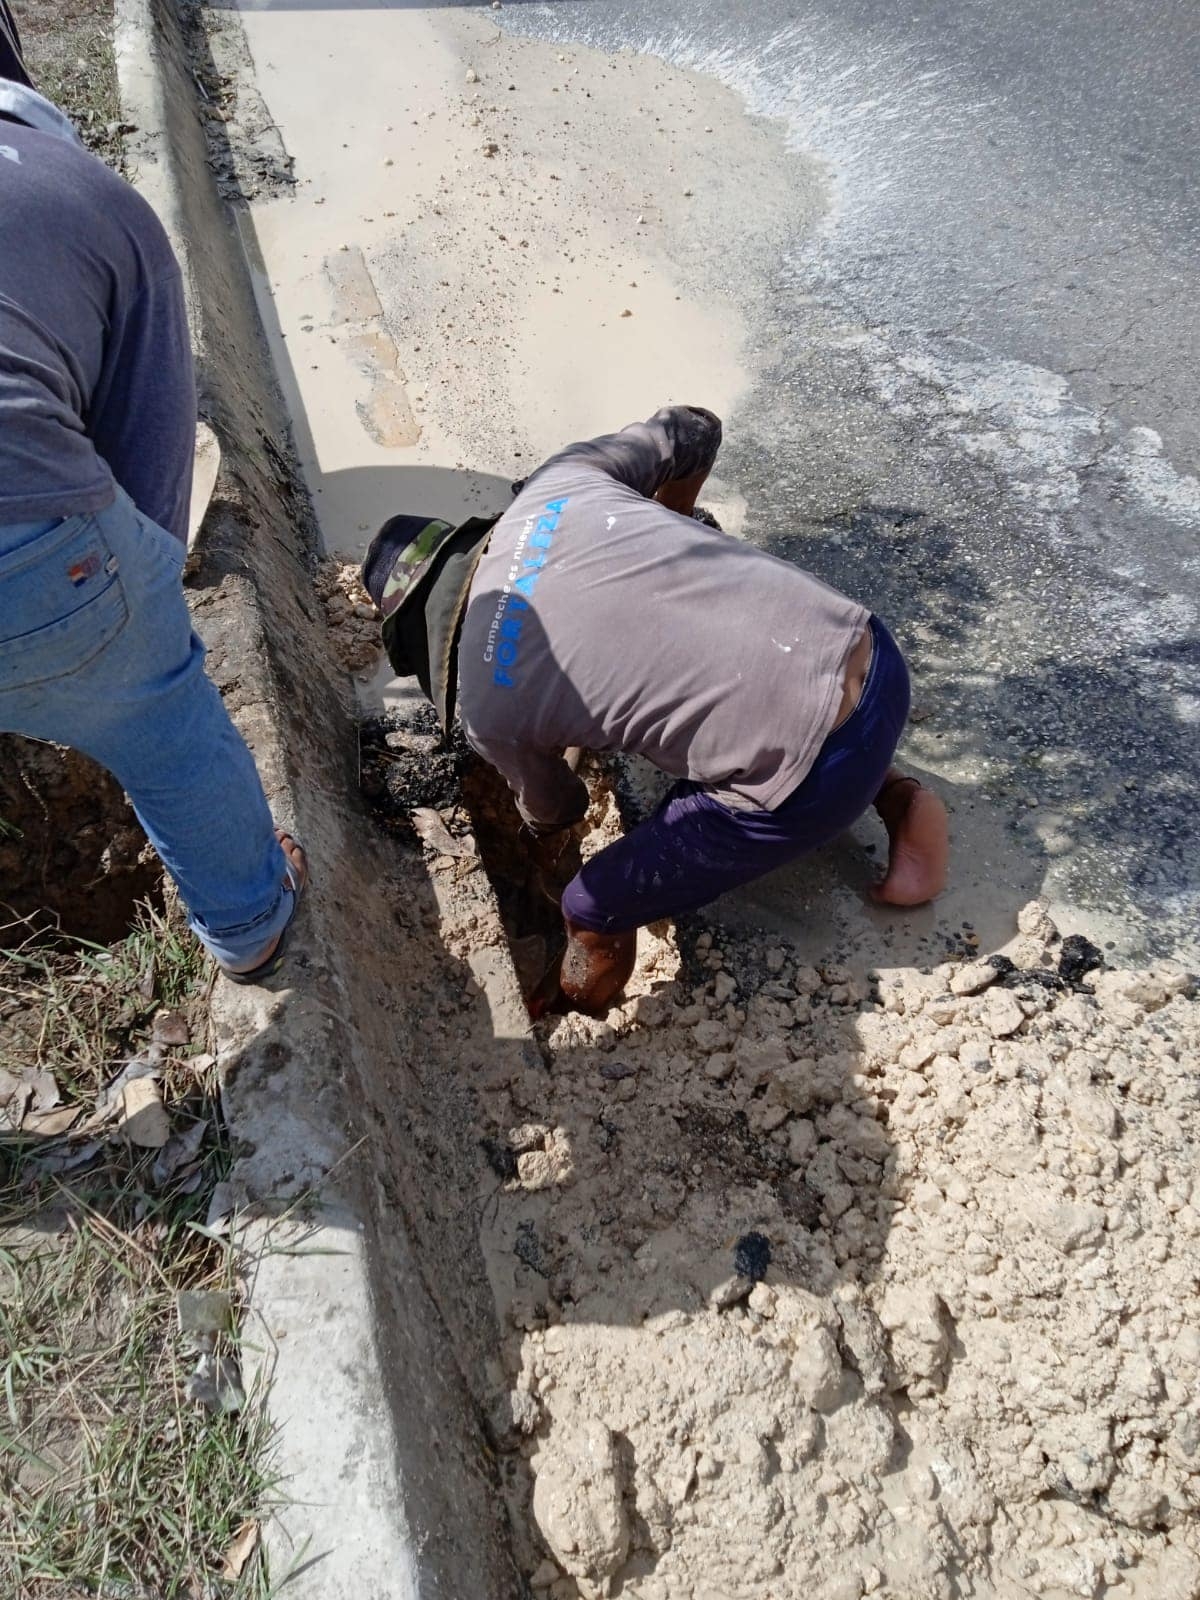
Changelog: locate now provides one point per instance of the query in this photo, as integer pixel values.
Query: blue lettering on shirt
(519, 592)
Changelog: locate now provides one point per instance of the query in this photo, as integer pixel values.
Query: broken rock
(974, 978)
(817, 1370)
(1002, 1016)
(144, 1118)
(577, 1501)
(719, 1067)
(919, 1326)
(1068, 1226)
(861, 1438)
(170, 1028)
(204, 1311)
(710, 1036)
(216, 1384)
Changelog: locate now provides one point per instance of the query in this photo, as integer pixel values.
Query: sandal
(295, 881)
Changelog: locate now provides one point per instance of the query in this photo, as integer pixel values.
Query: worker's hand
(679, 494)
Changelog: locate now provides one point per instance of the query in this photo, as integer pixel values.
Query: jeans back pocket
(61, 603)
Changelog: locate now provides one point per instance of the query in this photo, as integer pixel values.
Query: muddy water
(407, 771)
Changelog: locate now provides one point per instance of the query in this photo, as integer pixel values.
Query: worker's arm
(142, 418)
(549, 795)
(676, 446)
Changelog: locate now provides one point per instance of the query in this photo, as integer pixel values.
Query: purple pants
(694, 848)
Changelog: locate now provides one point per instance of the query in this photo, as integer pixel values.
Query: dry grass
(113, 1482)
(68, 49)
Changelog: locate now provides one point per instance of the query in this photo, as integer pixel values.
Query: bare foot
(298, 876)
(596, 967)
(918, 842)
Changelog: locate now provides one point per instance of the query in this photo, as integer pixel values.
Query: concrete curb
(341, 1324)
(143, 99)
(335, 1451)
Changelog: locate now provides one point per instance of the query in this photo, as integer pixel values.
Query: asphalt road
(977, 387)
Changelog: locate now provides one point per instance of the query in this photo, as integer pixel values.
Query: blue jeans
(97, 652)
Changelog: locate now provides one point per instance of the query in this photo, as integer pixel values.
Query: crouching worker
(599, 613)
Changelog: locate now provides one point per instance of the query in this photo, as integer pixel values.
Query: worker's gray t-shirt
(95, 361)
(598, 618)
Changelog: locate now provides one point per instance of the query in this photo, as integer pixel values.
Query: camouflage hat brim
(400, 556)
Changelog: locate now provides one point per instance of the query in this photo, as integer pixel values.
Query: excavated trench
(73, 857)
(407, 770)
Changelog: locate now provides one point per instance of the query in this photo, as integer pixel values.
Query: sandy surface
(476, 265)
(817, 1273)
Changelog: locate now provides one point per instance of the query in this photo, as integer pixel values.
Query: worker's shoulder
(58, 190)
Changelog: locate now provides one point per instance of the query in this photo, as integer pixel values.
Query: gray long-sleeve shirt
(95, 361)
(598, 618)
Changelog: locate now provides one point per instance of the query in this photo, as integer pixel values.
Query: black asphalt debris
(752, 1256)
(1079, 956)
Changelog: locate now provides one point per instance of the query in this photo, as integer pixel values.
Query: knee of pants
(680, 858)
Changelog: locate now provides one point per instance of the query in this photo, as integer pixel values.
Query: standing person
(599, 613)
(97, 433)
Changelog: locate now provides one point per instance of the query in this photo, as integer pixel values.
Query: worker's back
(599, 618)
(93, 347)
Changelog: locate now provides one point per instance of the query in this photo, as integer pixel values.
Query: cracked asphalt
(976, 399)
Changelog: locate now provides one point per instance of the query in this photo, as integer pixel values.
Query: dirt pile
(350, 614)
(840, 1283)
